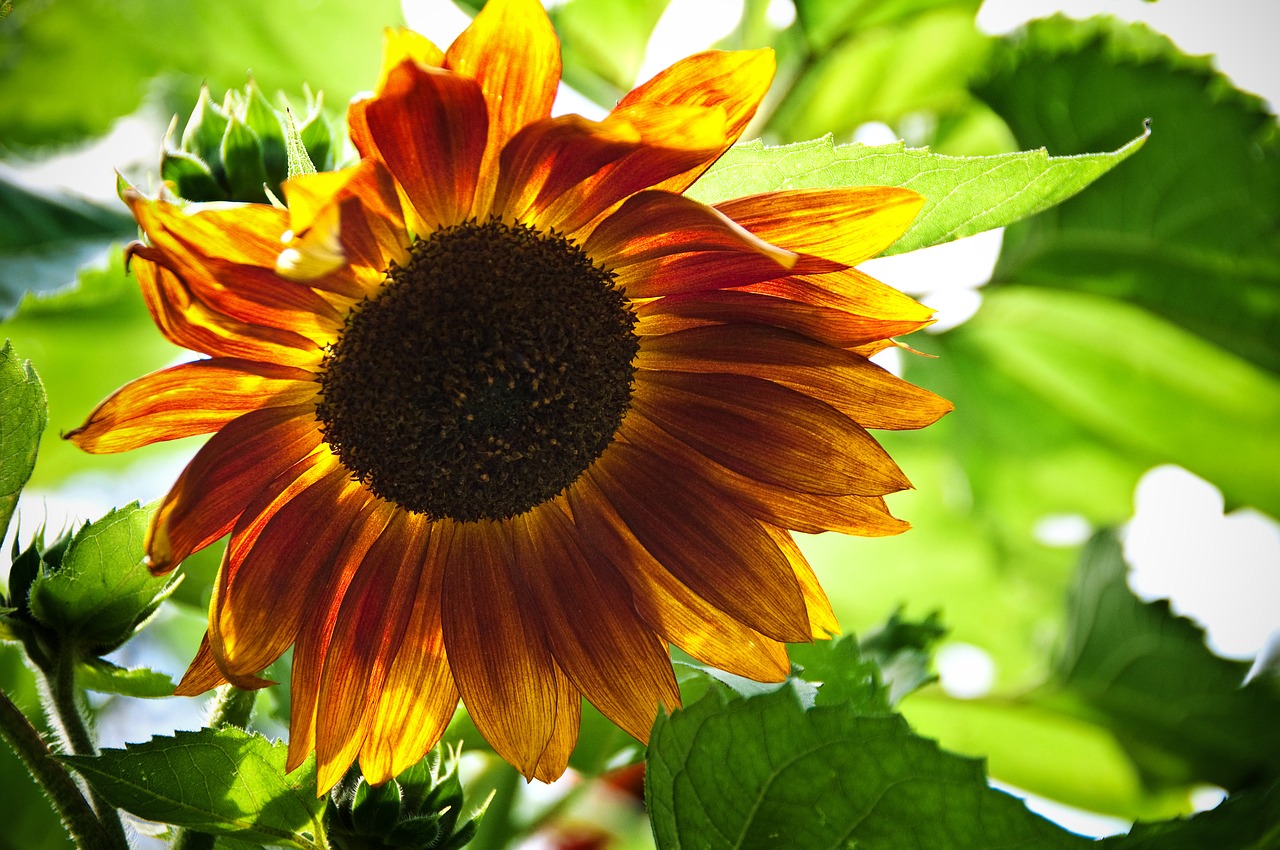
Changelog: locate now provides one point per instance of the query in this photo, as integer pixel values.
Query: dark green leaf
(70, 68)
(842, 674)
(107, 678)
(963, 195)
(1180, 710)
(102, 591)
(1189, 230)
(224, 781)
(821, 777)
(242, 157)
(47, 238)
(903, 650)
(23, 413)
(1246, 821)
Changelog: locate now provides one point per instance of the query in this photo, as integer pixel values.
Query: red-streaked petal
(314, 635)
(673, 139)
(224, 476)
(853, 385)
(499, 657)
(768, 432)
(849, 290)
(865, 516)
(275, 558)
(822, 620)
(668, 606)
(429, 127)
(548, 158)
(734, 81)
(712, 547)
(244, 234)
(511, 50)
(607, 651)
(187, 321)
(188, 399)
(369, 627)
(829, 325)
(660, 243)
(564, 731)
(418, 697)
(847, 225)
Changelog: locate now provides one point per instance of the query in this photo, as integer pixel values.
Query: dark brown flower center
(484, 377)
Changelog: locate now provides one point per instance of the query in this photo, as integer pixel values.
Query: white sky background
(1222, 570)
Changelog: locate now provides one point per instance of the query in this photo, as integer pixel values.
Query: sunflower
(498, 414)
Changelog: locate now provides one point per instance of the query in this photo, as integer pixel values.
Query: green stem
(69, 721)
(77, 815)
(231, 707)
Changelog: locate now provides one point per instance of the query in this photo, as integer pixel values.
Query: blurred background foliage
(1135, 325)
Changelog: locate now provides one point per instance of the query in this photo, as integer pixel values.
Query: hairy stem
(77, 815)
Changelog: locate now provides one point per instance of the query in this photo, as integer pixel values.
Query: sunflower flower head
(499, 415)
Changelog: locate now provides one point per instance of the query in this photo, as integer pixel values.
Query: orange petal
(847, 225)
(369, 627)
(822, 620)
(418, 697)
(668, 606)
(711, 546)
(734, 82)
(499, 658)
(274, 560)
(244, 234)
(187, 321)
(401, 43)
(826, 324)
(595, 635)
(202, 674)
(188, 399)
(511, 50)
(849, 290)
(564, 732)
(429, 127)
(853, 385)
(660, 243)
(548, 158)
(369, 223)
(865, 516)
(317, 629)
(768, 432)
(224, 476)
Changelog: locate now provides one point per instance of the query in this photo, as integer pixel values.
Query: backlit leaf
(22, 419)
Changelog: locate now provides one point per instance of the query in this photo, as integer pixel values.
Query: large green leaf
(222, 781)
(22, 419)
(1248, 821)
(101, 591)
(47, 239)
(1190, 230)
(864, 62)
(68, 69)
(963, 195)
(1138, 384)
(821, 777)
(1179, 710)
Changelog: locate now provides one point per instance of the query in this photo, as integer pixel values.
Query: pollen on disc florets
(488, 372)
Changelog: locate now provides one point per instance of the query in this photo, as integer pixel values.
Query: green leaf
(299, 160)
(107, 678)
(1180, 711)
(841, 672)
(603, 43)
(23, 413)
(903, 651)
(1153, 391)
(70, 68)
(102, 591)
(963, 195)
(877, 64)
(821, 777)
(48, 238)
(1246, 821)
(221, 781)
(1190, 230)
